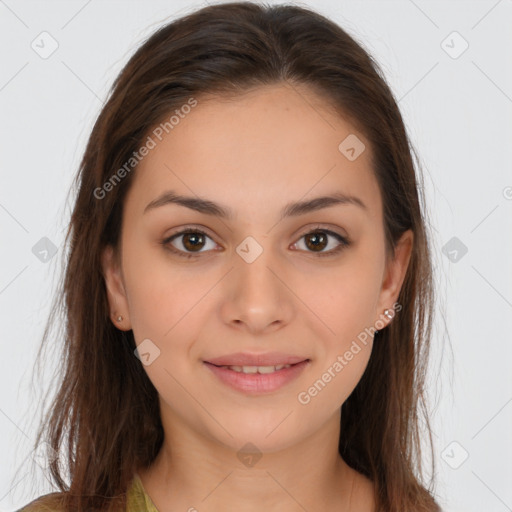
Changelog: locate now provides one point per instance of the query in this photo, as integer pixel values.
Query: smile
(257, 369)
(256, 380)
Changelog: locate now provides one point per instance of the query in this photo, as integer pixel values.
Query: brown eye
(193, 241)
(190, 242)
(187, 242)
(318, 240)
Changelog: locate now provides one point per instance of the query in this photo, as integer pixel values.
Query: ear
(116, 292)
(394, 275)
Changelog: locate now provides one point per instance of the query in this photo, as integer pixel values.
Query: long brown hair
(105, 414)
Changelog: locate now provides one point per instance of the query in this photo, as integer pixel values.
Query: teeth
(257, 369)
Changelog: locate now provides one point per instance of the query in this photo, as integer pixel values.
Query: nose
(257, 297)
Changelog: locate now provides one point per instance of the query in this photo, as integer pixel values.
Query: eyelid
(326, 228)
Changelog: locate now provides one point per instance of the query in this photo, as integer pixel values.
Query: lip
(256, 383)
(254, 359)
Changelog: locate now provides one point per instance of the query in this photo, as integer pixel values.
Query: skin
(254, 154)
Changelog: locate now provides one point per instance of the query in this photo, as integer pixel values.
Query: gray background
(457, 106)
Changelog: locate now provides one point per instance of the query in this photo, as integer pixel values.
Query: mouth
(256, 369)
(257, 380)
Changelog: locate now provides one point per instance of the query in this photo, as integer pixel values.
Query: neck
(193, 471)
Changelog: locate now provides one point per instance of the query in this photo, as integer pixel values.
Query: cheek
(166, 305)
(344, 302)
(346, 309)
(344, 350)
(164, 298)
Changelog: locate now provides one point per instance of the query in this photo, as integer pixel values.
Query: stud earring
(388, 313)
(119, 318)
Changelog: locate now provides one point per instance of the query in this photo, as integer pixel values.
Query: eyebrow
(208, 207)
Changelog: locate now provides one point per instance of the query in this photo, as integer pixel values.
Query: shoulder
(137, 500)
(46, 503)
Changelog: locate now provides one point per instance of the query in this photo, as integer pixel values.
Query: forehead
(269, 146)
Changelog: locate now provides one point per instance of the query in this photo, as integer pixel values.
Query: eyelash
(344, 242)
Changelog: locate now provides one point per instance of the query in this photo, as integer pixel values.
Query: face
(308, 283)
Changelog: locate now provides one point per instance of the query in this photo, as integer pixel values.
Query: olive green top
(136, 500)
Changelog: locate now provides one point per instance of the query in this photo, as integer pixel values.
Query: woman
(248, 294)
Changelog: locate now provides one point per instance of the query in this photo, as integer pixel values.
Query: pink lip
(256, 383)
(263, 359)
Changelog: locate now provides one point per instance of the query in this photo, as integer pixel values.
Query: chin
(259, 438)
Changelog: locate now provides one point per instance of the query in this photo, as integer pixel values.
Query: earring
(388, 313)
(119, 318)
